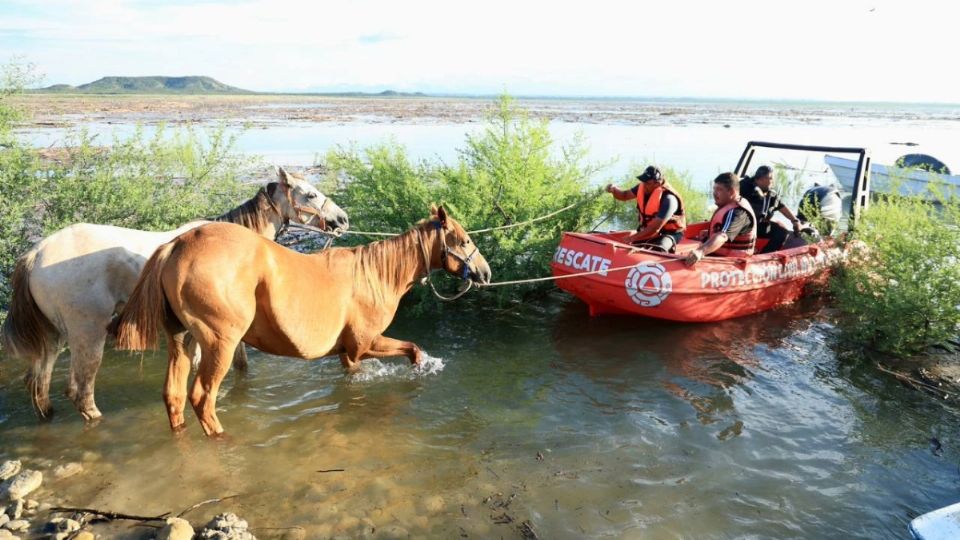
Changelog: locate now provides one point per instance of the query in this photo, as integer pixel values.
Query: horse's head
(458, 254)
(300, 202)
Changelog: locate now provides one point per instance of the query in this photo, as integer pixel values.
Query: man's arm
(712, 244)
(622, 194)
(785, 210)
(736, 222)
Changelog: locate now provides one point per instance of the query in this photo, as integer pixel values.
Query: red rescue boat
(622, 279)
(636, 281)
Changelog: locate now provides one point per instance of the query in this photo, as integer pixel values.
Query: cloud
(820, 49)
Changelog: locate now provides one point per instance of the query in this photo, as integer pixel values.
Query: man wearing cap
(660, 209)
(765, 202)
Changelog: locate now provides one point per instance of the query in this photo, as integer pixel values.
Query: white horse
(68, 287)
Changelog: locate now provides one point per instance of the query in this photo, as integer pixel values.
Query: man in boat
(733, 227)
(765, 202)
(660, 209)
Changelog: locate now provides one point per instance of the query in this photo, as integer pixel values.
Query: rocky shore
(29, 511)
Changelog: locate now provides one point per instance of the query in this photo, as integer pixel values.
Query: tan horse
(225, 285)
(69, 286)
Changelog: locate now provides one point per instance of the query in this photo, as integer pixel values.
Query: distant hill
(149, 85)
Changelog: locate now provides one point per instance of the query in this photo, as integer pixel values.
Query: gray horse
(68, 287)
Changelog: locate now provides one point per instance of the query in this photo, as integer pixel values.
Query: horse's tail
(27, 333)
(137, 325)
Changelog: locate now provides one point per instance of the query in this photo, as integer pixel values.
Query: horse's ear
(271, 189)
(442, 216)
(433, 210)
(283, 176)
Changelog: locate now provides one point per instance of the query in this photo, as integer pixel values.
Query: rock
(18, 525)
(30, 504)
(9, 468)
(393, 532)
(15, 510)
(176, 529)
(44, 507)
(23, 484)
(294, 534)
(7, 535)
(227, 527)
(67, 470)
(434, 504)
(86, 535)
(4, 519)
(62, 525)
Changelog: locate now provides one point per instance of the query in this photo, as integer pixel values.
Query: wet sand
(67, 110)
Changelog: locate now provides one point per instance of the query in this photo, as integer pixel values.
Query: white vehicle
(883, 178)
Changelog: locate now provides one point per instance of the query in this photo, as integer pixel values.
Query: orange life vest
(742, 245)
(649, 205)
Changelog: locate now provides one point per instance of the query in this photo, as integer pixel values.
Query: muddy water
(611, 427)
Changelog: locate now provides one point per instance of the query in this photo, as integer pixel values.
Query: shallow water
(745, 428)
(703, 149)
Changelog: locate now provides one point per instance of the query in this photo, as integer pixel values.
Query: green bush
(510, 172)
(900, 293)
(155, 183)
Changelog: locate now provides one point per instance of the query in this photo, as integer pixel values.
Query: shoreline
(75, 110)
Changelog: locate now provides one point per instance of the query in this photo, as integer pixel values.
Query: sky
(845, 50)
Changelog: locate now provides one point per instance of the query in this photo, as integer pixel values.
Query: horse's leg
(214, 364)
(354, 348)
(86, 353)
(38, 380)
(350, 363)
(239, 356)
(192, 350)
(178, 370)
(384, 346)
(240, 360)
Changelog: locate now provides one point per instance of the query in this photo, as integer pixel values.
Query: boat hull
(883, 179)
(633, 281)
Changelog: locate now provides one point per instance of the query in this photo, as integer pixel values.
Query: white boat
(942, 524)
(884, 177)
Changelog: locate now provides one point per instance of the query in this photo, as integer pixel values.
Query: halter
(444, 253)
(300, 210)
(447, 252)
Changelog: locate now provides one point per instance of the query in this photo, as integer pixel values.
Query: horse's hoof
(221, 437)
(44, 414)
(91, 416)
(177, 430)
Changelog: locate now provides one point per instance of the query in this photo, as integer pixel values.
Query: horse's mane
(389, 263)
(253, 214)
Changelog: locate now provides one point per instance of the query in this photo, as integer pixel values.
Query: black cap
(650, 173)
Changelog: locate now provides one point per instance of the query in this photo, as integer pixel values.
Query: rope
(338, 232)
(456, 295)
(541, 218)
(554, 278)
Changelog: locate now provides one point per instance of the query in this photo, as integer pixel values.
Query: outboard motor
(822, 206)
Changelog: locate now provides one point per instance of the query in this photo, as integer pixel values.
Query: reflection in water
(617, 427)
